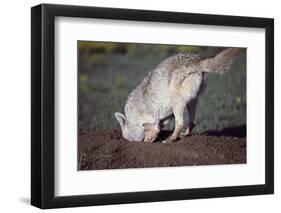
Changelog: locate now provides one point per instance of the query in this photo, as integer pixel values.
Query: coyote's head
(132, 132)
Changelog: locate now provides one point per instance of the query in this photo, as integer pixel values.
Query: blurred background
(108, 72)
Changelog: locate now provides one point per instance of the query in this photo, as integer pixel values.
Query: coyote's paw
(169, 140)
(188, 131)
(148, 141)
(184, 134)
(166, 141)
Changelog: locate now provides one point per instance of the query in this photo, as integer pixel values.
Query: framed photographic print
(139, 106)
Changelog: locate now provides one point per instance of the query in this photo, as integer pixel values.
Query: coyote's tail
(221, 62)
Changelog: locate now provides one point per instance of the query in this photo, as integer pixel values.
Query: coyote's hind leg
(178, 111)
(191, 109)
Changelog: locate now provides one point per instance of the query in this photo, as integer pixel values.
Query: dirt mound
(108, 150)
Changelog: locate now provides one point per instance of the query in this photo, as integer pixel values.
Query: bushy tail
(221, 62)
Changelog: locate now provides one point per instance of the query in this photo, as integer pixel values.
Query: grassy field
(108, 72)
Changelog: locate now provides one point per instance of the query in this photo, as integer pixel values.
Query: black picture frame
(43, 105)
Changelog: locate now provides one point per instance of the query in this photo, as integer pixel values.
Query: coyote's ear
(120, 118)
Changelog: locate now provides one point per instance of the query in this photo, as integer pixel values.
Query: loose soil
(108, 150)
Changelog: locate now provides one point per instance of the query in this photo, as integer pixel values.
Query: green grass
(107, 77)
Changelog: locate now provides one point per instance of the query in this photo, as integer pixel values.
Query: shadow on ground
(237, 131)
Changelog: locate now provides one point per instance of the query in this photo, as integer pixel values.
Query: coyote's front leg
(178, 111)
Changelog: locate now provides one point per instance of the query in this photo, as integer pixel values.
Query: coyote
(166, 91)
